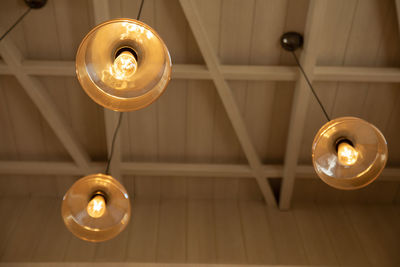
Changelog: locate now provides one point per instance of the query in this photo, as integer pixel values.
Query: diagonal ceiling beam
(102, 13)
(212, 62)
(316, 12)
(44, 103)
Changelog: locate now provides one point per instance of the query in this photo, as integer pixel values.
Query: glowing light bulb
(347, 154)
(96, 207)
(125, 65)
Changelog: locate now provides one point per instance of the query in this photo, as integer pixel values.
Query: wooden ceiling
(353, 56)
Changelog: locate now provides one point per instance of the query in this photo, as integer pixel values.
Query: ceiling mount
(35, 4)
(291, 41)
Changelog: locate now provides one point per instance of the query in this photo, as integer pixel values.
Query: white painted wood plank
(346, 245)
(316, 241)
(259, 242)
(29, 230)
(373, 236)
(12, 209)
(20, 107)
(287, 239)
(79, 250)
(8, 148)
(201, 243)
(171, 241)
(172, 122)
(142, 134)
(54, 238)
(249, 190)
(14, 185)
(316, 13)
(170, 24)
(113, 250)
(143, 231)
(200, 121)
(147, 187)
(230, 245)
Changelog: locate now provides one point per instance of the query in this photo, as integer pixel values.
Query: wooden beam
(231, 72)
(44, 103)
(356, 74)
(187, 169)
(316, 12)
(166, 170)
(228, 101)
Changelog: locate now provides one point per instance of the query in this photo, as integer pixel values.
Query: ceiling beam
(227, 98)
(315, 16)
(166, 170)
(231, 72)
(44, 103)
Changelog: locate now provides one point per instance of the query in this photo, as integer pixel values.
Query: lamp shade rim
(94, 67)
(369, 142)
(96, 229)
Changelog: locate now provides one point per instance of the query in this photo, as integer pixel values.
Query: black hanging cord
(140, 10)
(311, 87)
(15, 24)
(113, 142)
(120, 114)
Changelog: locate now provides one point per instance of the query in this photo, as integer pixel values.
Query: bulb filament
(96, 206)
(125, 65)
(347, 154)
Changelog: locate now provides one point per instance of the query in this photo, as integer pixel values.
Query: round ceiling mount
(96, 208)
(291, 41)
(123, 65)
(35, 4)
(349, 153)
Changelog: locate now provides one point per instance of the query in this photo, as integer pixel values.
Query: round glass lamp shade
(96, 208)
(123, 65)
(349, 153)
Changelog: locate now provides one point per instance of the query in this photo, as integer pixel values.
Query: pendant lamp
(96, 208)
(349, 153)
(123, 65)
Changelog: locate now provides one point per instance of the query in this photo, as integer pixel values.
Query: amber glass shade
(367, 141)
(108, 223)
(147, 74)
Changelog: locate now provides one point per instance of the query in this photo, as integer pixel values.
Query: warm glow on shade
(342, 165)
(125, 65)
(96, 207)
(347, 154)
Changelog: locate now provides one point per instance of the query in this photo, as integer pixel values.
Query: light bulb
(125, 65)
(96, 207)
(347, 154)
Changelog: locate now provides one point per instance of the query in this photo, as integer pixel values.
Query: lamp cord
(15, 24)
(310, 85)
(140, 10)
(120, 114)
(113, 142)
